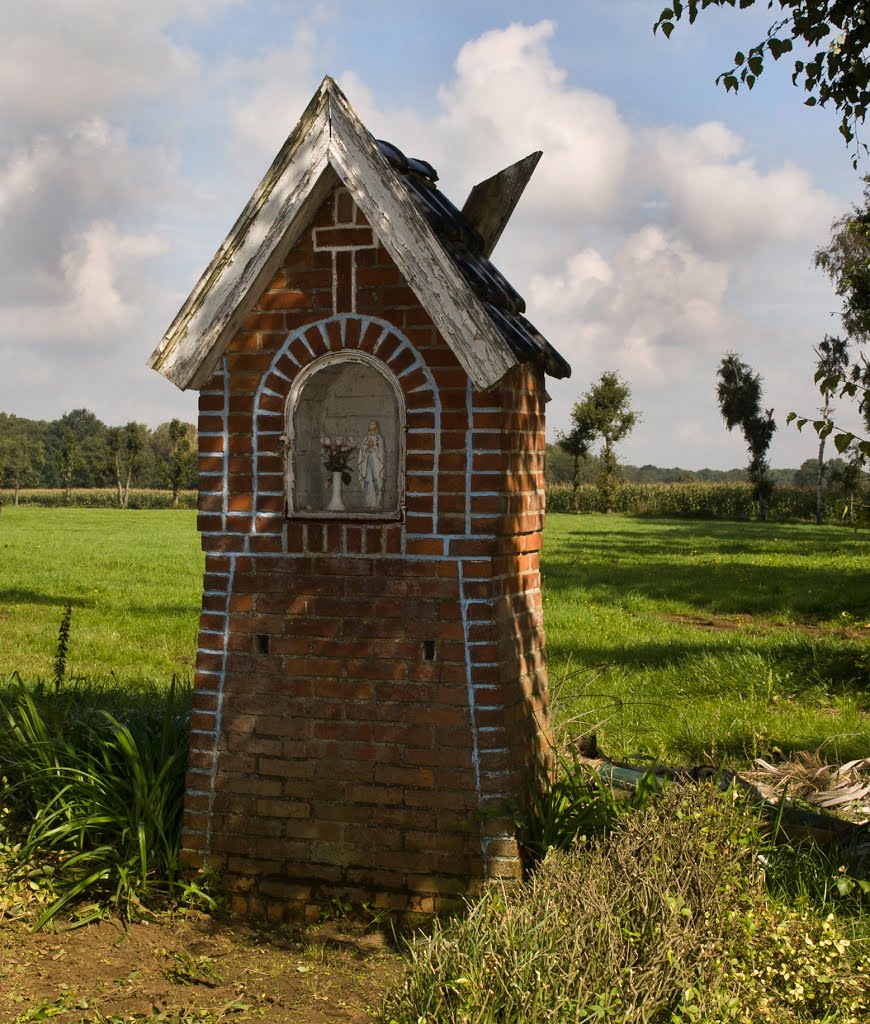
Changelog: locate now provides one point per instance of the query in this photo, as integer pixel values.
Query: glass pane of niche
(347, 439)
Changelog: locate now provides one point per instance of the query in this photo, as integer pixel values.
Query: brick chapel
(370, 699)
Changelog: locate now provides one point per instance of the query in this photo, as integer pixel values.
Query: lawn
(133, 578)
(691, 641)
(683, 640)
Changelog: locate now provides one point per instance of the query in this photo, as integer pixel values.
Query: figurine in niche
(372, 466)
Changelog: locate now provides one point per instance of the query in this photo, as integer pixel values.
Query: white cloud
(102, 289)
(507, 98)
(714, 192)
(276, 87)
(65, 59)
(52, 187)
(654, 295)
(99, 268)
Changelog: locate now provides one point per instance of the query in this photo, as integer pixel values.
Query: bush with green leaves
(96, 798)
(665, 921)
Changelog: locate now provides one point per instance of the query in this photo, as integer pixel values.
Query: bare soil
(195, 969)
(748, 621)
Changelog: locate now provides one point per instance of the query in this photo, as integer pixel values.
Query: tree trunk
(820, 470)
(762, 508)
(175, 497)
(127, 486)
(576, 482)
(17, 489)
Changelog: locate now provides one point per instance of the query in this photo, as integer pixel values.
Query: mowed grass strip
(134, 581)
(705, 641)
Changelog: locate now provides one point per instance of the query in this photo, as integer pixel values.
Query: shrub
(98, 497)
(666, 921)
(96, 799)
(698, 500)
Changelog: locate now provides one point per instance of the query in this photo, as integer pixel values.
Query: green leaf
(811, 102)
(842, 441)
(756, 64)
(730, 82)
(750, 81)
(791, 416)
(667, 27)
(739, 58)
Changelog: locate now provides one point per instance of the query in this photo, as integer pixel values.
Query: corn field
(699, 500)
(96, 497)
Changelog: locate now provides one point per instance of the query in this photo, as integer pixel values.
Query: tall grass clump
(94, 798)
(665, 921)
(570, 802)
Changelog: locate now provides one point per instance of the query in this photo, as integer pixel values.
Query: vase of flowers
(336, 454)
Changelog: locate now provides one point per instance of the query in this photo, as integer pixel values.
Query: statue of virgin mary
(372, 466)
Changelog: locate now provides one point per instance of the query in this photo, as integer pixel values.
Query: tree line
(79, 450)
(603, 417)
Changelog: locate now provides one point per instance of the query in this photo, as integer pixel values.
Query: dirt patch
(195, 969)
(747, 621)
(704, 622)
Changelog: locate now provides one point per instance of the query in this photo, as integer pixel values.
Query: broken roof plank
(491, 203)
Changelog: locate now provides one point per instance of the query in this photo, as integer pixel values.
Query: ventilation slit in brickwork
(262, 643)
(429, 650)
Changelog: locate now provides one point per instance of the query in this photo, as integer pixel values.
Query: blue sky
(666, 224)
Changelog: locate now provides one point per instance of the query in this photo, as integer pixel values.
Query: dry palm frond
(807, 777)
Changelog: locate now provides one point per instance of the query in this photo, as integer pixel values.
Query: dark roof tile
(464, 244)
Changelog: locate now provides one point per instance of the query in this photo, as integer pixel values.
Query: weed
(184, 969)
(664, 921)
(104, 810)
(62, 647)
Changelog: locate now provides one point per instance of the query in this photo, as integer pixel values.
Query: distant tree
(739, 393)
(578, 444)
(175, 444)
(846, 262)
(20, 458)
(849, 476)
(69, 460)
(832, 359)
(605, 411)
(91, 435)
(838, 72)
(806, 474)
(125, 447)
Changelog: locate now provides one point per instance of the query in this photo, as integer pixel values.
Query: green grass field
(134, 580)
(689, 641)
(682, 640)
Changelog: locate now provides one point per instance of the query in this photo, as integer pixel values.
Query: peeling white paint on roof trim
(329, 144)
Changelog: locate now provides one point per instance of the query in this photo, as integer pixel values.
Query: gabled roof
(442, 253)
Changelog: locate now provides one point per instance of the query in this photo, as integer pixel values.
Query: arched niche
(345, 402)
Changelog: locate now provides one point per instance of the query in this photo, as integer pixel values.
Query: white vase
(335, 502)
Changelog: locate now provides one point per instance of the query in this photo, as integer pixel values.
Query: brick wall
(368, 695)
